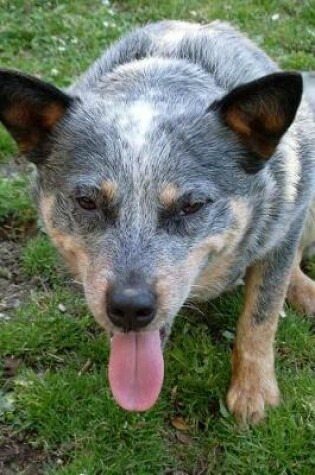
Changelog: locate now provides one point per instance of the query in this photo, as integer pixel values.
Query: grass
(58, 397)
(17, 213)
(15, 199)
(39, 258)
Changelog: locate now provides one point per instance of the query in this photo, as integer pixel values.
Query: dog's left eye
(86, 203)
(190, 208)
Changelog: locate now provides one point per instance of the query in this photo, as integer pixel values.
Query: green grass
(7, 147)
(17, 212)
(15, 199)
(64, 407)
(39, 258)
(59, 397)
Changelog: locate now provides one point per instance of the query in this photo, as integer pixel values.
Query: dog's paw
(247, 398)
(301, 293)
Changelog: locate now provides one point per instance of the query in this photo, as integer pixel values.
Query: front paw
(248, 396)
(301, 293)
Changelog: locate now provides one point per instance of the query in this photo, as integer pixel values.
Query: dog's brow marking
(109, 189)
(169, 194)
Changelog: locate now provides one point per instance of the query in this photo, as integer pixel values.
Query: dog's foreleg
(254, 383)
(301, 291)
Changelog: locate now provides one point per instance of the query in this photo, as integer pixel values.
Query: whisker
(191, 306)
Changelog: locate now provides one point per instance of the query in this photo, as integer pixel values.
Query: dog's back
(218, 48)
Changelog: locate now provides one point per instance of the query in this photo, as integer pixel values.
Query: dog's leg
(254, 383)
(301, 291)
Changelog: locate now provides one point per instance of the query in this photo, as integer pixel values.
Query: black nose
(131, 307)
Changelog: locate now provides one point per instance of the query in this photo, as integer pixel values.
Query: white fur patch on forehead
(136, 123)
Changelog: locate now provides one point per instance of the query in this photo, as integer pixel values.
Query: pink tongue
(136, 369)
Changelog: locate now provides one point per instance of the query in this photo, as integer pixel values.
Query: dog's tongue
(136, 369)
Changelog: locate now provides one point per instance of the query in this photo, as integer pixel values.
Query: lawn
(57, 415)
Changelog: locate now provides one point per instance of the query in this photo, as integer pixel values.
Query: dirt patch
(12, 229)
(19, 456)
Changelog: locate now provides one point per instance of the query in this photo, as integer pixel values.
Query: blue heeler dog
(181, 161)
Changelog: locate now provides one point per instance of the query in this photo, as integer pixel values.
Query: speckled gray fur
(192, 183)
(172, 72)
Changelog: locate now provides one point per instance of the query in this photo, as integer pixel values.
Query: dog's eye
(190, 208)
(86, 203)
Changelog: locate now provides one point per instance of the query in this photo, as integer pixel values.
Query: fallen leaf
(179, 423)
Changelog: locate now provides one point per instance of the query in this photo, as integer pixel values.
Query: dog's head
(143, 183)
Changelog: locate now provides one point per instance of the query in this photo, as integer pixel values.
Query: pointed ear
(261, 111)
(30, 108)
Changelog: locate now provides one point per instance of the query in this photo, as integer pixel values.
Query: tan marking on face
(175, 283)
(95, 284)
(46, 207)
(169, 194)
(94, 275)
(211, 281)
(109, 189)
(72, 251)
(169, 295)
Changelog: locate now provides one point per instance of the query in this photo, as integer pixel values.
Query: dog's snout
(131, 307)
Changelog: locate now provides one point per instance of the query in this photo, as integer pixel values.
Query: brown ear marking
(261, 111)
(30, 108)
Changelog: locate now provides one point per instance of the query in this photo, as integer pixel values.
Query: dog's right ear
(30, 108)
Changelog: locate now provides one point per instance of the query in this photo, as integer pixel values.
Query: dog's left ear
(30, 108)
(261, 111)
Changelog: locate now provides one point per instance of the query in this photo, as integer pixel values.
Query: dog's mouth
(136, 368)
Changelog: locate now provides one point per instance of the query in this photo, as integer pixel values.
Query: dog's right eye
(86, 203)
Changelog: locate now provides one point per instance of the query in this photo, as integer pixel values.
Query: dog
(182, 160)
